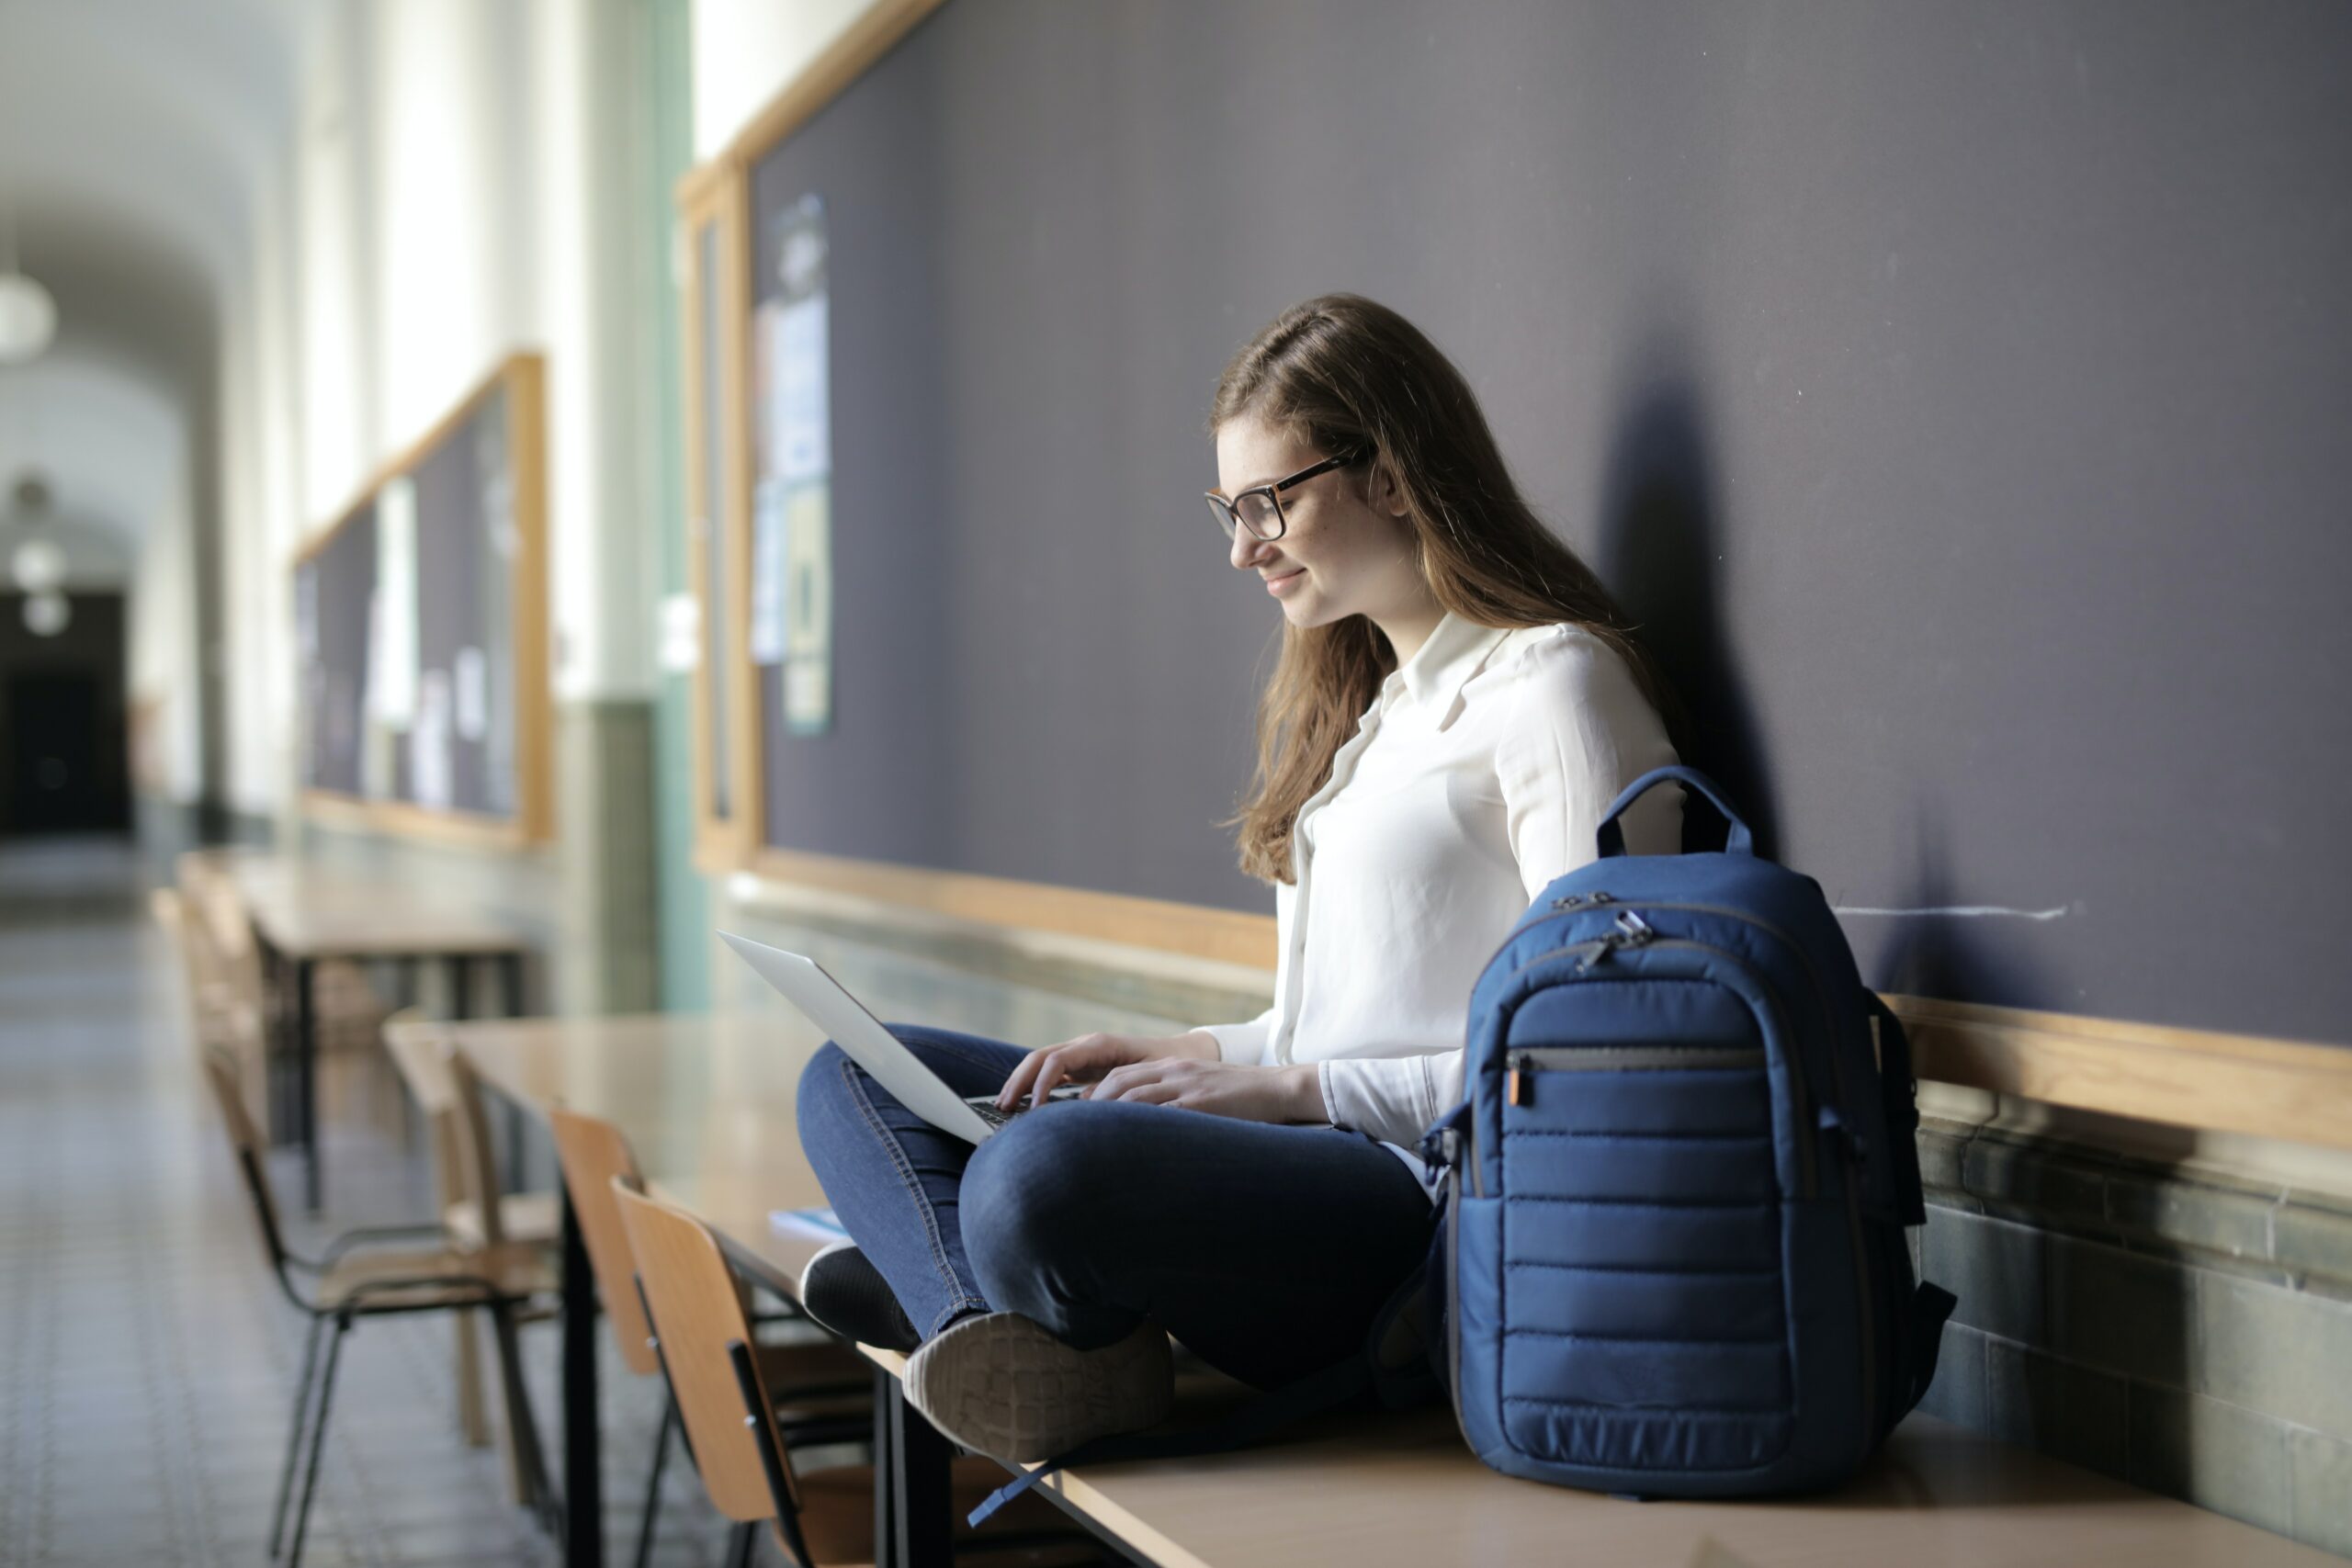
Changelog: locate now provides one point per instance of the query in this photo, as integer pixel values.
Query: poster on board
(792, 497)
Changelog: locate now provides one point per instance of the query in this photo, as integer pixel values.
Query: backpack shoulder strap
(1930, 1305)
(1899, 1103)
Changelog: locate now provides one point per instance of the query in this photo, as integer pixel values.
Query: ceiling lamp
(39, 565)
(46, 614)
(28, 319)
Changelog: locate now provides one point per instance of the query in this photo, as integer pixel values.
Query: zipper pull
(1632, 930)
(1579, 900)
(1516, 1090)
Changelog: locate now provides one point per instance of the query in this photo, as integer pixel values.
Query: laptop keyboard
(986, 1104)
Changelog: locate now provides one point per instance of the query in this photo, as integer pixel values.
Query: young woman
(1456, 703)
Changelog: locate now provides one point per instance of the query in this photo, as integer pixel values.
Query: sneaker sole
(1001, 1384)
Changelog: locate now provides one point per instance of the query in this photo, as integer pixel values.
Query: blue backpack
(1674, 1264)
(1672, 1261)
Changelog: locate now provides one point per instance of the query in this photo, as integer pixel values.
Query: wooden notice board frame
(714, 199)
(521, 379)
(712, 202)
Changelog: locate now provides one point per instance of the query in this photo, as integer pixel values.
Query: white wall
(746, 51)
(162, 650)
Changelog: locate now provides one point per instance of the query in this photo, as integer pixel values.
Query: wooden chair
(477, 1216)
(813, 1384)
(219, 1019)
(360, 1276)
(695, 1304)
(208, 993)
(346, 1015)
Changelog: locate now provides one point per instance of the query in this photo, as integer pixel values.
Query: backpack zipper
(1599, 898)
(1618, 1059)
(1639, 934)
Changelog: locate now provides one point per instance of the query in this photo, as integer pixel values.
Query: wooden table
(304, 915)
(707, 1106)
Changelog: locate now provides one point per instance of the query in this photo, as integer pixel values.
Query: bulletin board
(1985, 512)
(421, 628)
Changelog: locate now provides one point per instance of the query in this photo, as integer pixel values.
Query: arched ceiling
(136, 140)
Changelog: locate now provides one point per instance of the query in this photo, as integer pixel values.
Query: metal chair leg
(318, 1441)
(653, 1486)
(473, 1420)
(739, 1549)
(302, 1421)
(521, 1431)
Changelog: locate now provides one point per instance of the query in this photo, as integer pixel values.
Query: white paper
(472, 676)
(681, 647)
(799, 434)
(306, 611)
(808, 671)
(807, 695)
(430, 772)
(391, 665)
(771, 624)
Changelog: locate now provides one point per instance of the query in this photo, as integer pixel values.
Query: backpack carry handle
(1738, 840)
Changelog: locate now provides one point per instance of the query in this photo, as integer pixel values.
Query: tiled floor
(146, 1361)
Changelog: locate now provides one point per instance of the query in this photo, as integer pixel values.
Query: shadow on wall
(1661, 554)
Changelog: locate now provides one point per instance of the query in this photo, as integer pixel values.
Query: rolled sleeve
(1394, 1099)
(1241, 1042)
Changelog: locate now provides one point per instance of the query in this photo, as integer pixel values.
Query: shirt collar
(1429, 682)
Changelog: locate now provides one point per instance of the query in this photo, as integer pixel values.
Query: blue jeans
(1265, 1249)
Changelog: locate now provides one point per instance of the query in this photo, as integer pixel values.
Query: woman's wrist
(1304, 1095)
(1200, 1046)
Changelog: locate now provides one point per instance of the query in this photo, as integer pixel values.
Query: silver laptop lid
(845, 1021)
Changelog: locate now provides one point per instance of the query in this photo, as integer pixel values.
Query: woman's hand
(1088, 1057)
(1251, 1093)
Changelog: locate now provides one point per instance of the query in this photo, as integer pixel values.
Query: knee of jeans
(1034, 1188)
(821, 1080)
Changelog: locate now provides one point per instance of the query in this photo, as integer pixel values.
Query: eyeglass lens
(1257, 512)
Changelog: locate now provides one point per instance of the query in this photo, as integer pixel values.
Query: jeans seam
(913, 1185)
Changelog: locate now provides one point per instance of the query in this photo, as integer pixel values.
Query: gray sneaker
(1001, 1384)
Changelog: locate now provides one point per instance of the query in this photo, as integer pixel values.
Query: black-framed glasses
(1259, 508)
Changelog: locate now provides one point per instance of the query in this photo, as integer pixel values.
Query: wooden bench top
(708, 1105)
(308, 911)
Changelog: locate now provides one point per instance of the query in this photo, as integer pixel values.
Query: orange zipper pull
(1515, 1085)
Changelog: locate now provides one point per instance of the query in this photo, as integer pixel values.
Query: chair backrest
(171, 912)
(477, 1168)
(698, 1307)
(450, 1096)
(595, 1156)
(246, 1143)
(229, 937)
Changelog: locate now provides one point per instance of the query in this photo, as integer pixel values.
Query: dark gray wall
(335, 685)
(1960, 394)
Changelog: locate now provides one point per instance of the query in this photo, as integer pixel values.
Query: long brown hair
(1346, 374)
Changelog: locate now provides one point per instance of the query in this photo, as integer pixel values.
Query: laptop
(825, 1003)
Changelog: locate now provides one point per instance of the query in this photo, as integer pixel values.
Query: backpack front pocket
(1641, 1285)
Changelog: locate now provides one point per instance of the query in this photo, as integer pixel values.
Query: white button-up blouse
(1478, 776)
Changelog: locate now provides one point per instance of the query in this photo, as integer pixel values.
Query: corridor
(147, 1362)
